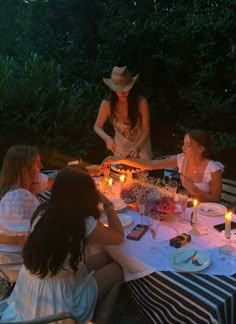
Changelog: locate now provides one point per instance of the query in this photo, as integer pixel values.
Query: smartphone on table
(137, 232)
(221, 227)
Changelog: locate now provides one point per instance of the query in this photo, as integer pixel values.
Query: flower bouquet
(157, 199)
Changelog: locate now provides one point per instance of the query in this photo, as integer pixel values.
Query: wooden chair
(228, 195)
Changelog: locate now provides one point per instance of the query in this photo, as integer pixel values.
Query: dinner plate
(211, 209)
(119, 204)
(166, 232)
(125, 219)
(179, 257)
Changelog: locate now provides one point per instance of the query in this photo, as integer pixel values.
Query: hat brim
(120, 87)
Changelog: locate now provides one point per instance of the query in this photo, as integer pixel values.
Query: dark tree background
(54, 53)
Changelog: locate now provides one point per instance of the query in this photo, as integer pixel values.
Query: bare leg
(108, 280)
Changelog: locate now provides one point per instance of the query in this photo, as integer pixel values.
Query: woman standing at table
(55, 276)
(200, 175)
(129, 115)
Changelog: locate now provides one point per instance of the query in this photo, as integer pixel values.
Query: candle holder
(227, 248)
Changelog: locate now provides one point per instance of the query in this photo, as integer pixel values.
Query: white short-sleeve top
(211, 167)
(16, 210)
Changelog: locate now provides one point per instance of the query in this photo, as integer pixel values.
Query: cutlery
(187, 259)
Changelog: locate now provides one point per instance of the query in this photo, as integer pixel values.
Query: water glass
(153, 223)
(140, 200)
(183, 198)
(172, 187)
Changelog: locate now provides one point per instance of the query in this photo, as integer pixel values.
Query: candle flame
(110, 182)
(122, 178)
(228, 216)
(195, 202)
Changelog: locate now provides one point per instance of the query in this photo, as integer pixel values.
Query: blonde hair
(17, 158)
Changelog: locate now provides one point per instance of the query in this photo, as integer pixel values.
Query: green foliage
(185, 52)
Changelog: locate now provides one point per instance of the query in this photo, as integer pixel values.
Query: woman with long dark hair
(56, 276)
(129, 115)
(200, 175)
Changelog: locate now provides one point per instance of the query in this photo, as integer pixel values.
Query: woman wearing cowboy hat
(128, 113)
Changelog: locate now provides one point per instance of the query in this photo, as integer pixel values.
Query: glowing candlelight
(228, 217)
(194, 219)
(110, 182)
(122, 181)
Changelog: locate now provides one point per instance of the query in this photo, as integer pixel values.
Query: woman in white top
(55, 276)
(20, 180)
(200, 175)
(129, 115)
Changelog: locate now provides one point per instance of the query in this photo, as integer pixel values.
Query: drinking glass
(153, 223)
(172, 187)
(102, 184)
(141, 206)
(106, 172)
(183, 198)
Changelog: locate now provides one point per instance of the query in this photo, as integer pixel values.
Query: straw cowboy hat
(121, 79)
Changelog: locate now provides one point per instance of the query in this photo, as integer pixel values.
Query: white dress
(211, 167)
(16, 210)
(66, 292)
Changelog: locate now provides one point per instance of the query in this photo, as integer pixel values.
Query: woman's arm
(144, 112)
(112, 235)
(215, 188)
(102, 116)
(170, 162)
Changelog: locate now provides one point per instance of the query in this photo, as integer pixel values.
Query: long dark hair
(133, 101)
(203, 139)
(60, 230)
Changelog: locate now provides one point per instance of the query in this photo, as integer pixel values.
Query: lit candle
(110, 182)
(194, 219)
(122, 181)
(228, 217)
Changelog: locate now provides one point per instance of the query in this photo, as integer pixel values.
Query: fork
(187, 259)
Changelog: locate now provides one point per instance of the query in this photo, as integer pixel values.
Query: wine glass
(183, 198)
(172, 187)
(106, 172)
(141, 206)
(153, 223)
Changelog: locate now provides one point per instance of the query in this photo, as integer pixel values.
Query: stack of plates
(211, 209)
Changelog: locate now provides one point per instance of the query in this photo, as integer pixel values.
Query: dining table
(164, 287)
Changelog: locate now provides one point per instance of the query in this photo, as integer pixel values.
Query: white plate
(177, 257)
(125, 219)
(119, 204)
(211, 209)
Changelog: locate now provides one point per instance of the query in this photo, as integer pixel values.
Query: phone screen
(137, 232)
(221, 227)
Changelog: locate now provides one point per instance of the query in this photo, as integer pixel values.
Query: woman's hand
(190, 186)
(110, 143)
(94, 170)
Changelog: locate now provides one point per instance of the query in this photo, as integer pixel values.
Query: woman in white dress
(129, 115)
(20, 180)
(200, 175)
(55, 276)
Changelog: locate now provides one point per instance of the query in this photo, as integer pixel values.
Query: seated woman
(55, 277)
(20, 180)
(200, 175)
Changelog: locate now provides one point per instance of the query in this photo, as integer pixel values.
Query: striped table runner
(174, 297)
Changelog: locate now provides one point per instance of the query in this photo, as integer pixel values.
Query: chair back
(228, 195)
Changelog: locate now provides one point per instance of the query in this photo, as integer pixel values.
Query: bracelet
(108, 206)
